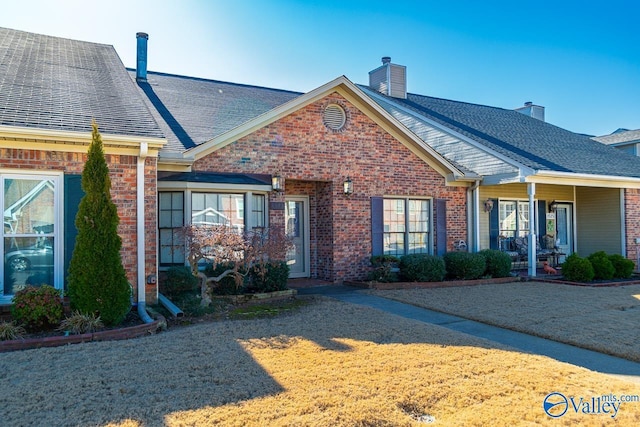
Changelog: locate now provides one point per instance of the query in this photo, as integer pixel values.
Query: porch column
(532, 239)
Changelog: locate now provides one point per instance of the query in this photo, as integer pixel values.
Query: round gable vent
(334, 117)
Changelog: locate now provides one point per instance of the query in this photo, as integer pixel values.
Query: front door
(564, 228)
(297, 229)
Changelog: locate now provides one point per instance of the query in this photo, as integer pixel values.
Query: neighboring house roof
(620, 137)
(192, 111)
(59, 84)
(491, 140)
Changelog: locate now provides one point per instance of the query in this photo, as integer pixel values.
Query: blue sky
(579, 59)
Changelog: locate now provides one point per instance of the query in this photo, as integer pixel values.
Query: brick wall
(632, 223)
(315, 161)
(122, 171)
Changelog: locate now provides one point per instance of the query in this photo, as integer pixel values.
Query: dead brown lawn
(604, 319)
(330, 364)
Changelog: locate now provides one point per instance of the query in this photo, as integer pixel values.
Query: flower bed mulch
(424, 285)
(132, 327)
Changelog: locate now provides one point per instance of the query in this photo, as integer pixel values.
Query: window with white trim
(170, 223)
(513, 217)
(406, 226)
(30, 235)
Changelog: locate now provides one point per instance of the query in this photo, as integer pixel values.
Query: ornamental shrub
(228, 285)
(498, 263)
(603, 268)
(422, 268)
(465, 265)
(385, 268)
(79, 323)
(37, 307)
(179, 279)
(623, 266)
(11, 331)
(268, 276)
(577, 269)
(97, 279)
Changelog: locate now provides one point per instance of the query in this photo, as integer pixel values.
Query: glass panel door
(296, 228)
(564, 228)
(29, 232)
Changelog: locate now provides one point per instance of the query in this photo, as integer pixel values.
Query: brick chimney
(389, 79)
(141, 57)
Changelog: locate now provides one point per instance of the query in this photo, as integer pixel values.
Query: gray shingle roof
(192, 110)
(60, 84)
(627, 136)
(528, 141)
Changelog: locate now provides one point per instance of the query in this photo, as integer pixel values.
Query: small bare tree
(220, 244)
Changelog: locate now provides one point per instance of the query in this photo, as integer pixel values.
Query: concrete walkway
(589, 359)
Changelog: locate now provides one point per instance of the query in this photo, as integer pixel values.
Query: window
(257, 210)
(514, 218)
(406, 226)
(30, 232)
(218, 209)
(170, 221)
(235, 210)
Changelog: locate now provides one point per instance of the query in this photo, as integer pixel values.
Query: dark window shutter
(441, 226)
(377, 226)
(494, 226)
(72, 195)
(542, 220)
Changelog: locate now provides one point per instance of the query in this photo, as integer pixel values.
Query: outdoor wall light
(277, 183)
(347, 186)
(488, 205)
(553, 206)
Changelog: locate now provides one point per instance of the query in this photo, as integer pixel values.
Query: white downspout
(532, 230)
(140, 231)
(475, 217)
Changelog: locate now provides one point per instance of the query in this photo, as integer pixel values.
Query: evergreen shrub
(623, 266)
(577, 269)
(498, 263)
(465, 265)
(422, 268)
(268, 276)
(97, 280)
(385, 268)
(603, 268)
(179, 279)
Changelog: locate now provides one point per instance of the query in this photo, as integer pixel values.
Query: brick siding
(315, 161)
(122, 171)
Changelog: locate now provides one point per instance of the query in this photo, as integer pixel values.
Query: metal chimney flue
(141, 57)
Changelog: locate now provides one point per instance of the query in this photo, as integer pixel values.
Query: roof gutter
(583, 179)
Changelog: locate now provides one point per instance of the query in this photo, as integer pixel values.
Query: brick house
(349, 170)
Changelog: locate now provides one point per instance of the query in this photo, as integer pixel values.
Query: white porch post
(532, 239)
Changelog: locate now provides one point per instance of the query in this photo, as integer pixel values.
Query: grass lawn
(604, 319)
(327, 363)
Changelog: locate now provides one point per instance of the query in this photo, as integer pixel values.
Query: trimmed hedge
(623, 266)
(422, 268)
(577, 269)
(603, 268)
(465, 265)
(179, 279)
(498, 263)
(268, 277)
(384, 268)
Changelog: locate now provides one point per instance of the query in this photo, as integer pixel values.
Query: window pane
(523, 218)
(508, 218)
(394, 244)
(418, 243)
(28, 206)
(257, 206)
(394, 220)
(27, 261)
(418, 215)
(218, 209)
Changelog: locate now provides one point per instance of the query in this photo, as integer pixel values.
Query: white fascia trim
(47, 139)
(583, 180)
(525, 169)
